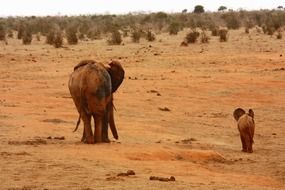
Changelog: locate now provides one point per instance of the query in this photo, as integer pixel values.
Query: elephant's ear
(251, 113)
(238, 113)
(117, 74)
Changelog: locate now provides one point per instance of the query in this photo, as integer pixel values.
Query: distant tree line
(92, 27)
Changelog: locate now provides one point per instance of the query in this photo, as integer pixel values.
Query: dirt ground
(174, 115)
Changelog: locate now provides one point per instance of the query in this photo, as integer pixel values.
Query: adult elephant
(91, 86)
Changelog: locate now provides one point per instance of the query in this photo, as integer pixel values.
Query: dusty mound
(190, 155)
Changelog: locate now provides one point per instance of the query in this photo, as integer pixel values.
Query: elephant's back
(245, 121)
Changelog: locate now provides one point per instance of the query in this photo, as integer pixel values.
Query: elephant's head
(117, 74)
(238, 113)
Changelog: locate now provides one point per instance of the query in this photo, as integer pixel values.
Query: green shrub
(223, 33)
(115, 39)
(192, 36)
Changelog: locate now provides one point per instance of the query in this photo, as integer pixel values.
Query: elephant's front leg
(87, 132)
(98, 128)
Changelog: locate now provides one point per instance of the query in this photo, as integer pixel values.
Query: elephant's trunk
(112, 122)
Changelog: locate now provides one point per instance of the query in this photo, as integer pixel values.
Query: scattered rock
(59, 138)
(164, 109)
(28, 142)
(274, 134)
(57, 121)
(279, 69)
(164, 179)
(128, 173)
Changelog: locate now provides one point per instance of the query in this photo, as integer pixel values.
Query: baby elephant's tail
(77, 124)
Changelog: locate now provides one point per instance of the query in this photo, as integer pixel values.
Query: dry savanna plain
(173, 115)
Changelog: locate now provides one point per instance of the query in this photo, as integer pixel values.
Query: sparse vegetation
(71, 35)
(58, 39)
(192, 36)
(223, 33)
(50, 37)
(27, 36)
(204, 37)
(136, 35)
(174, 28)
(150, 36)
(2, 33)
(279, 35)
(115, 39)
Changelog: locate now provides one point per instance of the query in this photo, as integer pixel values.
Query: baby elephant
(246, 125)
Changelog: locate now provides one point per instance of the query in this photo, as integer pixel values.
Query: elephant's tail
(77, 124)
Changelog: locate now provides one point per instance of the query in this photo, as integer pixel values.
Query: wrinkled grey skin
(246, 127)
(91, 86)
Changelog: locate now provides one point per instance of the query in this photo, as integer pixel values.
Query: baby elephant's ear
(238, 113)
(251, 113)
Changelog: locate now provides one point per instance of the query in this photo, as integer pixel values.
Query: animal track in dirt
(56, 121)
(28, 142)
(7, 154)
(186, 141)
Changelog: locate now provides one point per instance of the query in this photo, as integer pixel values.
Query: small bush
(115, 39)
(50, 37)
(38, 36)
(174, 28)
(279, 35)
(246, 30)
(81, 36)
(58, 39)
(10, 34)
(204, 37)
(2, 33)
(136, 35)
(223, 33)
(71, 35)
(94, 34)
(27, 37)
(214, 31)
(21, 29)
(150, 36)
(192, 36)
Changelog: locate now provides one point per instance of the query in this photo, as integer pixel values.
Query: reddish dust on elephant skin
(91, 86)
